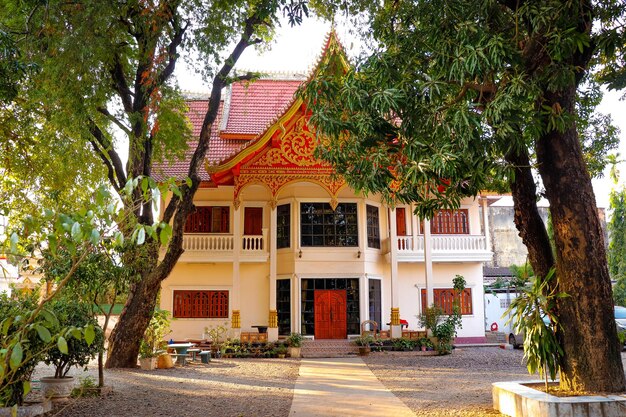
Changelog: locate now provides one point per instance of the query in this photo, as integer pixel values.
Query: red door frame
(330, 307)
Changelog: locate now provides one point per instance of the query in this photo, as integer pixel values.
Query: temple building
(278, 241)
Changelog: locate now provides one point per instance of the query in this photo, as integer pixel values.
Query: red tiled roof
(251, 108)
(254, 105)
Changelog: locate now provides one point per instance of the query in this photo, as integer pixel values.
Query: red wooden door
(253, 221)
(330, 314)
(400, 221)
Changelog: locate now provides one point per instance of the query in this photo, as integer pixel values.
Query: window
(445, 296)
(208, 220)
(450, 222)
(283, 226)
(375, 302)
(373, 227)
(200, 304)
(321, 226)
(283, 306)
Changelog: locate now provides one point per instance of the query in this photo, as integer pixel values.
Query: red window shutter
(444, 298)
(450, 222)
(200, 304)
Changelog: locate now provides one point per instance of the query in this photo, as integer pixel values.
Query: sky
(296, 49)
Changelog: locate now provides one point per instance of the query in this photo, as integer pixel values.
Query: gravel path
(431, 386)
(224, 388)
(452, 385)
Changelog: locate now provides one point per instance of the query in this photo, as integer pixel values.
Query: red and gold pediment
(289, 157)
(285, 152)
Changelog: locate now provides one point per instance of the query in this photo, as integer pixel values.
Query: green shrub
(74, 316)
(295, 340)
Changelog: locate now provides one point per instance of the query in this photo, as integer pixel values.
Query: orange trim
(240, 136)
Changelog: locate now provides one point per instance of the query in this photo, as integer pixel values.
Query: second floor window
(373, 227)
(450, 222)
(283, 226)
(322, 226)
(208, 220)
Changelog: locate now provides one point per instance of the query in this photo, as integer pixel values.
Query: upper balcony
(445, 248)
(211, 247)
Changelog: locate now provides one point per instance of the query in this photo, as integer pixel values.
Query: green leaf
(26, 387)
(62, 345)
(44, 333)
(6, 323)
(119, 239)
(166, 233)
(76, 333)
(76, 232)
(95, 237)
(13, 241)
(141, 236)
(16, 356)
(90, 334)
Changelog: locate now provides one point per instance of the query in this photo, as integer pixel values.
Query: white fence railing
(448, 243)
(221, 244)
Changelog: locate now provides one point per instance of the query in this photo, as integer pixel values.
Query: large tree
(107, 66)
(456, 93)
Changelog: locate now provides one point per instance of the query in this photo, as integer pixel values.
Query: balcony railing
(203, 247)
(447, 248)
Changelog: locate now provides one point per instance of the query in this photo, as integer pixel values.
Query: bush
(295, 340)
(74, 316)
(30, 341)
(158, 327)
(443, 327)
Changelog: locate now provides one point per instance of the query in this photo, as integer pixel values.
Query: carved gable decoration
(288, 157)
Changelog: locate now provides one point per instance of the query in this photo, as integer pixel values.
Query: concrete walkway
(342, 387)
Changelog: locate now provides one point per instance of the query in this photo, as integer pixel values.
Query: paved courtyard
(453, 385)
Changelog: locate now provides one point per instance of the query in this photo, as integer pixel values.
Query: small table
(261, 329)
(181, 351)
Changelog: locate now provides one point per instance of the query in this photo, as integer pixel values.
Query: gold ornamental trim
(395, 316)
(273, 319)
(236, 320)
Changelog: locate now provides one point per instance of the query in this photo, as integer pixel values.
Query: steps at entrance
(495, 337)
(335, 348)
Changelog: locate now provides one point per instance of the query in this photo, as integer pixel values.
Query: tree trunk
(591, 361)
(531, 228)
(132, 324)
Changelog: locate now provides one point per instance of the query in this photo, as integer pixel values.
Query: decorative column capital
(273, 319)
(395, 316)
(236, 320)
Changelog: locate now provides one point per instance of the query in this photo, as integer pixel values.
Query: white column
(236, 298)
(396, 329)
(428, 263)
(364, 304)
(414, 224)
(272, 331)
(486, 223)
(296, 304)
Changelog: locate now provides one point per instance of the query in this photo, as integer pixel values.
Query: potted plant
(363, 342)
(73, 346)
(150, 347)
(281, 351)
(295, 343)
(425, 344)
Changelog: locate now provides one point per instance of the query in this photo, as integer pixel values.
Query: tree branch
(179, 33)
(120, 85)
(109, 156)
(114, 119)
